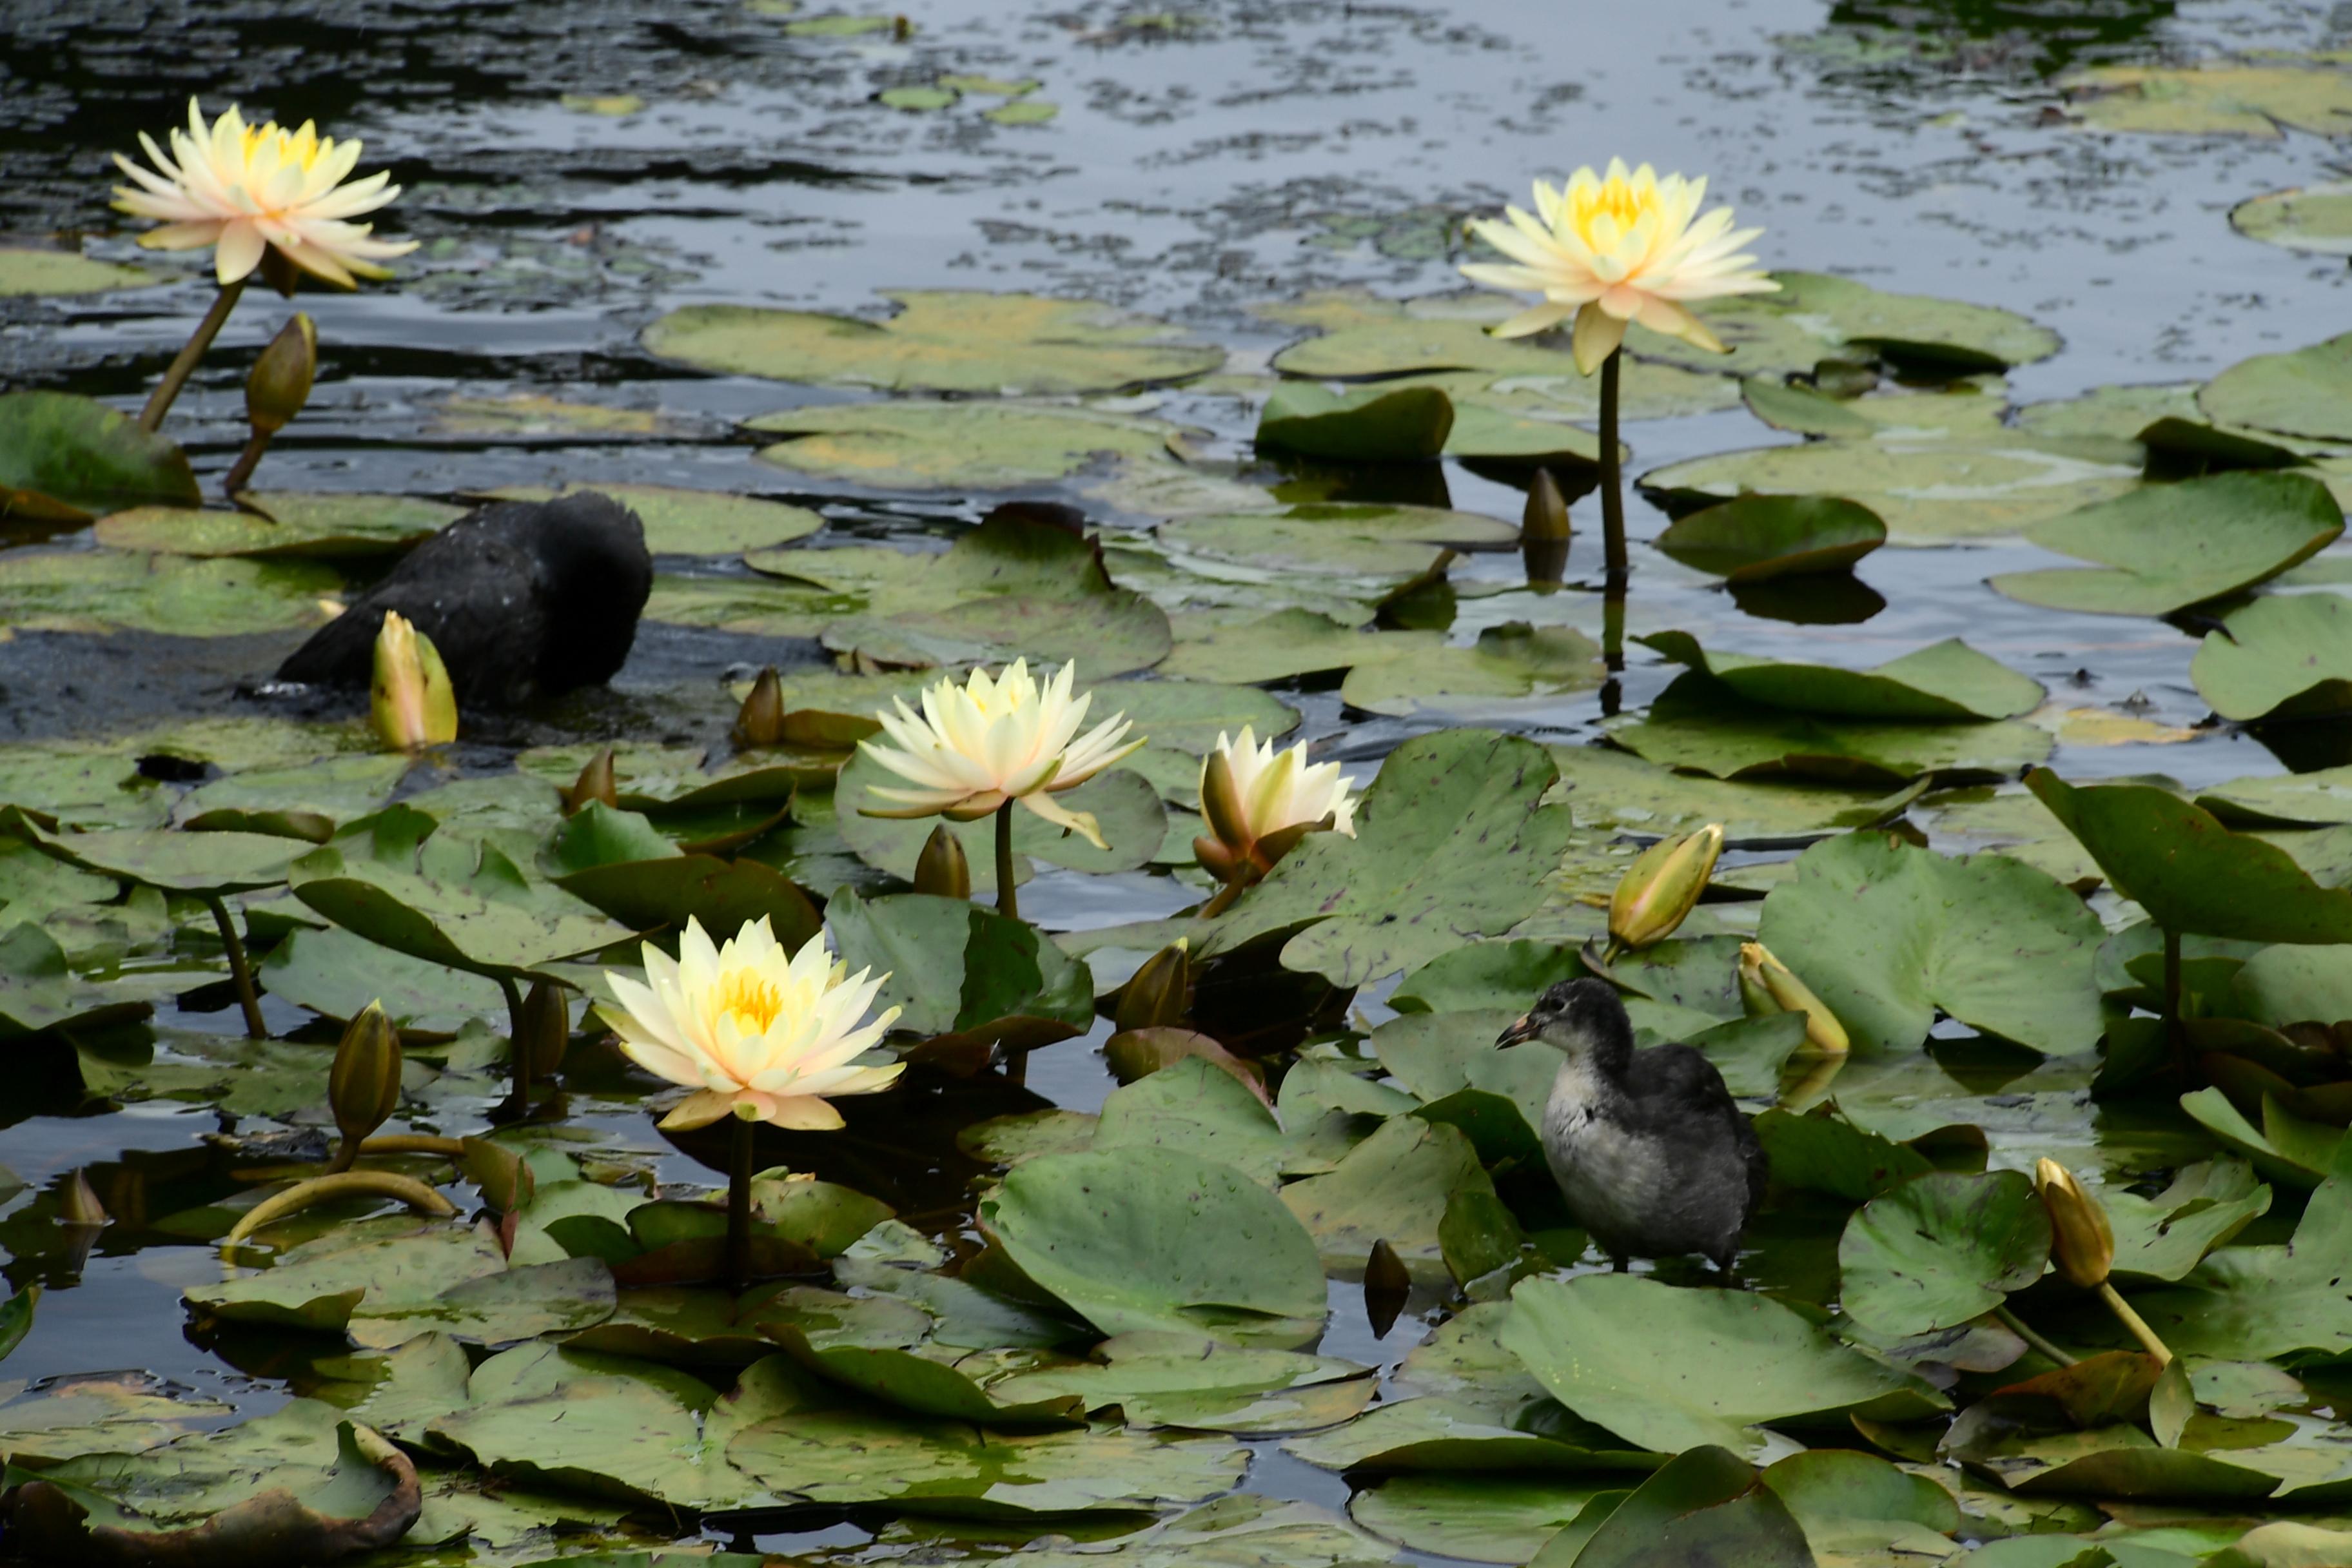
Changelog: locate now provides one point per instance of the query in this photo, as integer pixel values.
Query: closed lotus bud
(546, 1028)
(1767, 987)
(411, 699)
(1662, 888)
(942, 868)
(281, 383)
(1547, 512)
(364, 1086)
(595, 783)
(761, 721)
(1259, 803)
(2082, 1244)
(77, 1204)
(1162, 991)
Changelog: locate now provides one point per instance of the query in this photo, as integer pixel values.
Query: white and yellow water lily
(755, 1032)
(977, 746)
(244, 189)
(1259, 803)
(1615, 249)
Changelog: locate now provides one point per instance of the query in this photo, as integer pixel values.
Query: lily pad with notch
(1944, 682)
(1160, 1379)
(2283, 657)
(2301, 393)
(1941, 1249)
(1697, 725)
(961, 969)
(1756, 539)
(1510, 663)
(40, 270)
(2314, 219)
(923, 445)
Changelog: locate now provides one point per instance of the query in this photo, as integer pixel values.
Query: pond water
(576, 171)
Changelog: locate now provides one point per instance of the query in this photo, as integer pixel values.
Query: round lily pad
(2316, 219)
(1356, 540)
(1759, 538)
(694, 523)
(940, 340)
(2307, 391)
(1239, 646)
(1518, 375)
(1814, 316)
(1943, 681)
(1367, 424)
(1509, 663)
(960, 446)
(2285, 656)
(1111, 632)
(1480, 1518)
(1484, 432)
(2221, 97)
(26, 270)
(1696, 724)
(281, 523)
(104, 591)
(67, 458)
(1940, 1249)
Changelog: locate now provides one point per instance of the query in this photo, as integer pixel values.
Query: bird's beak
(1522, 1029)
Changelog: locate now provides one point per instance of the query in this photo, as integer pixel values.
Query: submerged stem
(1006, 902)
(739, 1202)
(2136, 1324)
(166, 391)
(2016, 1325)
(239, 969)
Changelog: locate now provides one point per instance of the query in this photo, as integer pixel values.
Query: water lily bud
(1260, 803)
(281, 383)
(546, 1028)
(2082, 1244)
(761, 721)
(942, 868)
(1546, 513)
(1767, 987)
(1662, 888)
(77, 1204)
(410, 698)
(1162, 991)
(595, 783)
(364, 1086)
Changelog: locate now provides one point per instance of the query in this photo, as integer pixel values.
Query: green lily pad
(1486, 435)
(1148, 1238)
(2190, 873)
(2169, 546)
(1616, 791)
(956, 968)
(692, 523)
(1963, 409)
(1244, 1530)
(1927, 490)
(1672, 1369)
(25, 269)
(1760, 538)
(2166, 1236)
(1197, 1107)
(1450, 843)
(1023, 112)
(1434, 1434)
(1223, 647)
(2297, 394)
(920, 446)
(1368, 425)
(1113, 632)
(387, 1263)
(99, 1413)
(2268, 1302)
(1705, 1505)
(1398, 1185)
(2221, 98)
(1509, 663)
(337, 788)
(2285, 656)
(1200, 1384)
(917, 99)
(2285, 1148)
(335, 975)
(1847, 1501)
(38, 990)
(1383, 543)
(1943, 681)
(1815, 317)
(281, 524)
(1941, 1249)
(101, 591)
(645, 882)
(2314, 219)
(201, 864)
(1886, 935)
(953, 341)
(1481, 1519)
(1696, 725)
(67, 458)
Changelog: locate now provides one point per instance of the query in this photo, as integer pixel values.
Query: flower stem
(1006, 903)
(2136, 1324)
(240, 970)
(1221, 899)
(2016, 1325)
(160, 402)
(325, 1189)
(518, 1050)
(739, 1202)
(1612, 498)
(247, 461)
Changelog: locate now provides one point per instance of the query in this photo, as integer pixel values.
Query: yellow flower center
(751, 999)
(1619, 200)
(302, 151)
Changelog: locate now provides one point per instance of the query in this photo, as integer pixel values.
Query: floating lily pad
(101, 591)
(287, 524)
(1196, 1107)
(1244, 1530)
(957, 968)
(923, 445)
(38, 990)
(1618, 790)
(2315, 219)
(2301, 393)
(26, 270)
(204, 864)
(1815, 317)
(940, 340)
(1886, 935)
(335, 975)
(1695, 725)
(1927, 490)
(2218, 99)
(1450, 843)
(1941, 1249)
(1390, 542)
(2169, 546)
(1944, 681)
(1485, 435)
(1370, 425)
(692, 523)
(99, 1413)
(532, 415)
(1964, 409)
(1672, 1369)
(1511, 662)
(1280, 647)
(2285, 656)
(1434, 1434)
(2285, 1148)
(1113, 632)
(1023, 112)
(67, 458)
(1151, 1239)
(1708, 1504)
(1416, 1183)
(2266, 1301)
(1195, 1382)
(1483, 1519)
(1761, 538)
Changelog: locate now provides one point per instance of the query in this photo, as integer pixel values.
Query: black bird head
(1579, 1018)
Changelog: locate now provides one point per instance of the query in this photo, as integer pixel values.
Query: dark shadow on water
(1830, 601)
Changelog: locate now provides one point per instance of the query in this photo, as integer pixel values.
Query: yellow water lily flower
(1614, 250)
(976, 746)
(243, 189)
(753, 1031)
(1259, 803)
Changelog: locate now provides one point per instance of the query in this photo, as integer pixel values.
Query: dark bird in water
(1649, 1150)
(524, 599)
